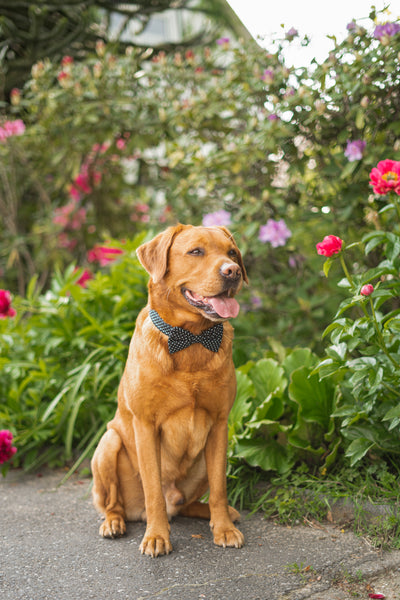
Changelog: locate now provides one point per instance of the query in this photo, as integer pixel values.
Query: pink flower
(219, 217)
(84, 278)
(354, 150)
(82, 182)
(331, 244)
(11, 128)
(385, 177)
(103, 255)
(67, 60)
(367, 289)
(7, 450)
(274, 232)
(223, 41)
(6, 309)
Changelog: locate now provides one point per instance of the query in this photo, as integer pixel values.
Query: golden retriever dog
(167, 443)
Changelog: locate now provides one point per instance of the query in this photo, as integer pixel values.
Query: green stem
(346, 272)
(380, 336)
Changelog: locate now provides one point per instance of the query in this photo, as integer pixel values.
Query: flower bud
(15, 96)
(367, 289)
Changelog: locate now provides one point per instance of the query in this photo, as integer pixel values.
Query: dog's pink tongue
(227, 308)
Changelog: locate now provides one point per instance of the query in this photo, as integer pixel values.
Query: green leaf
(327, 265)
(268, 378)
(268, 455)
(358, 449)
(315, 397)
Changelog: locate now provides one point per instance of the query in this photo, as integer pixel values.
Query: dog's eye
(196, 252)
(232, 253)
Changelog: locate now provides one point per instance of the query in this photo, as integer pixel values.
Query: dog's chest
(184, 433)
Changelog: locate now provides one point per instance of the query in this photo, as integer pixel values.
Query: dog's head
(199, 268)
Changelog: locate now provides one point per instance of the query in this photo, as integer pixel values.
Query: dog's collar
(180, 338)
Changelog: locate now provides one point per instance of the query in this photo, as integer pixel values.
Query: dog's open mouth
(223, 305)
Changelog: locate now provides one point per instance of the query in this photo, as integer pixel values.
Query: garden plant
(96, 154)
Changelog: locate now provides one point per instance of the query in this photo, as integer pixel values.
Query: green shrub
(62, 357)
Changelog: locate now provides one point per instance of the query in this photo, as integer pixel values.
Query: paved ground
(50, 550)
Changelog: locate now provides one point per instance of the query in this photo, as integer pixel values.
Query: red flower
(5, 305)
(7, 450)
(103, 255)
(367, 289)
(331, 244)
(385, 177)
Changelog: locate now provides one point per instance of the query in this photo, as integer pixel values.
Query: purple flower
(351, 26)
(268, 76)
(354, 150)
(219, 217)
(273, 117)
(386, 30)
(292, 33)
(274, 232)
(222, 41)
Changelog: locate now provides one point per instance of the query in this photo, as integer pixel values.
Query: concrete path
(50, 550)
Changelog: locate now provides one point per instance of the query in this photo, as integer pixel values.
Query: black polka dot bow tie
(179, 338)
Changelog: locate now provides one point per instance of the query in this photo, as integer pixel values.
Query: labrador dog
(167, 443)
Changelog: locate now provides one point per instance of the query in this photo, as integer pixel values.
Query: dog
(167, 444)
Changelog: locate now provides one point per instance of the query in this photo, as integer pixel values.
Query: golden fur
(167, 442)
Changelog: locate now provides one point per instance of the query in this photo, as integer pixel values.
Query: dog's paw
(113, 526)
(231, 537)
(155, 545)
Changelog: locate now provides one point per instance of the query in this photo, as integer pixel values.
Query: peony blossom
(331, 244)
(5, 305)
(367, 289)
(385, 177)
(103, 255)
(219, 217)
(7, 450)
(354, 150)
(274, 232)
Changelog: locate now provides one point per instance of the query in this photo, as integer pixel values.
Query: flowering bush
(364, 355)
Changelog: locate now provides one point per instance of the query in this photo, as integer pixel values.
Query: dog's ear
(239, 256)
(153, 255)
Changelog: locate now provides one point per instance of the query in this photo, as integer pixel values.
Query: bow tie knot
(180, 338)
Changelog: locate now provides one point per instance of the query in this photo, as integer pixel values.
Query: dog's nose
(231, 271)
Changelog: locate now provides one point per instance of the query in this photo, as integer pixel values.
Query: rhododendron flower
(385, 177)
(6, 309)
(223, 41)
(367, 289)
(331, 244)
(219, 217)
(354, 150)
(103, 255)
(274, 232)
(7, 450)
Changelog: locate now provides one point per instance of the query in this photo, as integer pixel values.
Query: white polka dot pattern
(179, 338)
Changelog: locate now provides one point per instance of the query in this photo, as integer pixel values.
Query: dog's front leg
(225, 533)
(156, 538)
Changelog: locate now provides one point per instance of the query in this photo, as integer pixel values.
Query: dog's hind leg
(107, 496)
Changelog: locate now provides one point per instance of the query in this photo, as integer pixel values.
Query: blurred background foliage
(124, 139)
